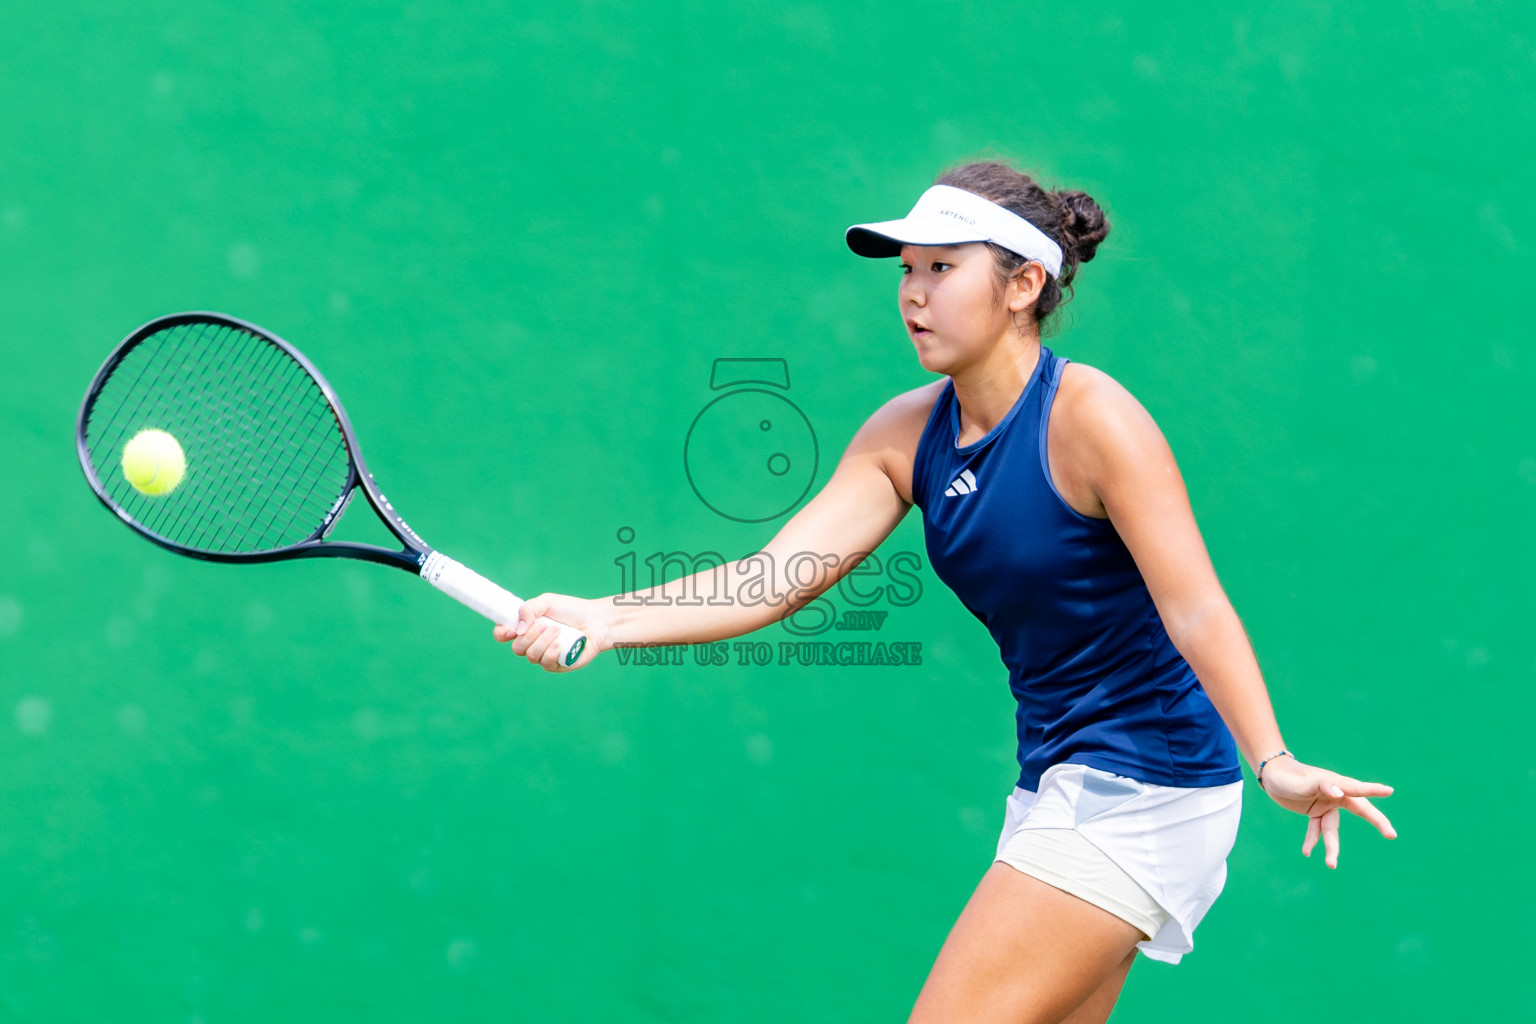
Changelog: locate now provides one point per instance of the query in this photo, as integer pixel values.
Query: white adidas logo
(965, 483)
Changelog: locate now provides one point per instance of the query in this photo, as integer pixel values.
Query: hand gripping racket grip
(468, 587)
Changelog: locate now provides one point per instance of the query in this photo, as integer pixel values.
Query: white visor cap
(945, 215)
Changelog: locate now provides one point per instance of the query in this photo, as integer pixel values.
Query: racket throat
(501, 606)
(337, 511)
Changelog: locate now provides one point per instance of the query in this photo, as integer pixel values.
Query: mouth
(917, 329)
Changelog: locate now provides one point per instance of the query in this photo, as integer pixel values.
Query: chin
(933, 360)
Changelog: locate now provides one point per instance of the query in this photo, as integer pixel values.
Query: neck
(988, 389)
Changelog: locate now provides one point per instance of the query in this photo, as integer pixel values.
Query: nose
(910, 292)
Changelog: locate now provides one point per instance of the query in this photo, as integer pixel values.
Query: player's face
(951, 303)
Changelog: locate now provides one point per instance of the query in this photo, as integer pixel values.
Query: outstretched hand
(531, 639)
(1319, 794)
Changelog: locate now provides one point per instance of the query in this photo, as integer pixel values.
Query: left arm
(1116, 453)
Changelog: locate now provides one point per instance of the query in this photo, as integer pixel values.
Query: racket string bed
(244, 434)
(199, 503)
(170, 412)
(315, 478)
(317, 425)
(242, 439)
(118, 398)
(168, 516)
(265, 452)
(109, 443)
(147, 361)
(192, 515)
(254, 470)
(241, 433)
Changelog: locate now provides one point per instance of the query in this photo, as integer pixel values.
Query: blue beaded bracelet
(1259, 772)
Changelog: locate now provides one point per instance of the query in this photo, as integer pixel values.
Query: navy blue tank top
(1097, 680)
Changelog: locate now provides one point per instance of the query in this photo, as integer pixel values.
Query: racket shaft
(499, 605)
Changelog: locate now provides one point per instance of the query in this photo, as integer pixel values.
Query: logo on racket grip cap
(750, 454)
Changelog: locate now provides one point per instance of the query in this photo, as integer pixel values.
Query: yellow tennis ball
(154, 462)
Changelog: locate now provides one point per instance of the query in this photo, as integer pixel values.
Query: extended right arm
(856, 510)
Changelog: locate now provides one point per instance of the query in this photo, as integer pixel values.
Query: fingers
(534, 608)
(1363, 808)
(532, 639)
(1329, 823)
(1291, 779)
(553, 658)
(1354, 787)
(509, 632)
(1314, 829)
(540, 643)
(526, 614)
(545, 650)
(529, 613)
(1320, 794)
(1325, 826)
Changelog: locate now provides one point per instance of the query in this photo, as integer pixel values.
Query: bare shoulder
(891, 433)
(908, 411)
(1097, 428)
(1094, 405)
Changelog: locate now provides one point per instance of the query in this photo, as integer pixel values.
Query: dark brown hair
(1069, 218)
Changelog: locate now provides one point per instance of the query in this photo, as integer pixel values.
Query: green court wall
(517, 237)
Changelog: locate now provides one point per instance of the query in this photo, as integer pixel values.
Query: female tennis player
(1052, 506)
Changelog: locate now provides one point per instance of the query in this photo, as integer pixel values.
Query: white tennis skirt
(1172, 841)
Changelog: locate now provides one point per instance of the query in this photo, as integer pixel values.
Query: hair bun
(1083, 224)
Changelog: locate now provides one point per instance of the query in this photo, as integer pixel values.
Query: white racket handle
(501, 606)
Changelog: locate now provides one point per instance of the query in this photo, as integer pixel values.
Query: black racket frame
(411, 557)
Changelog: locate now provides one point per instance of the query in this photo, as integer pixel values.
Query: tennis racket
(270, 461)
